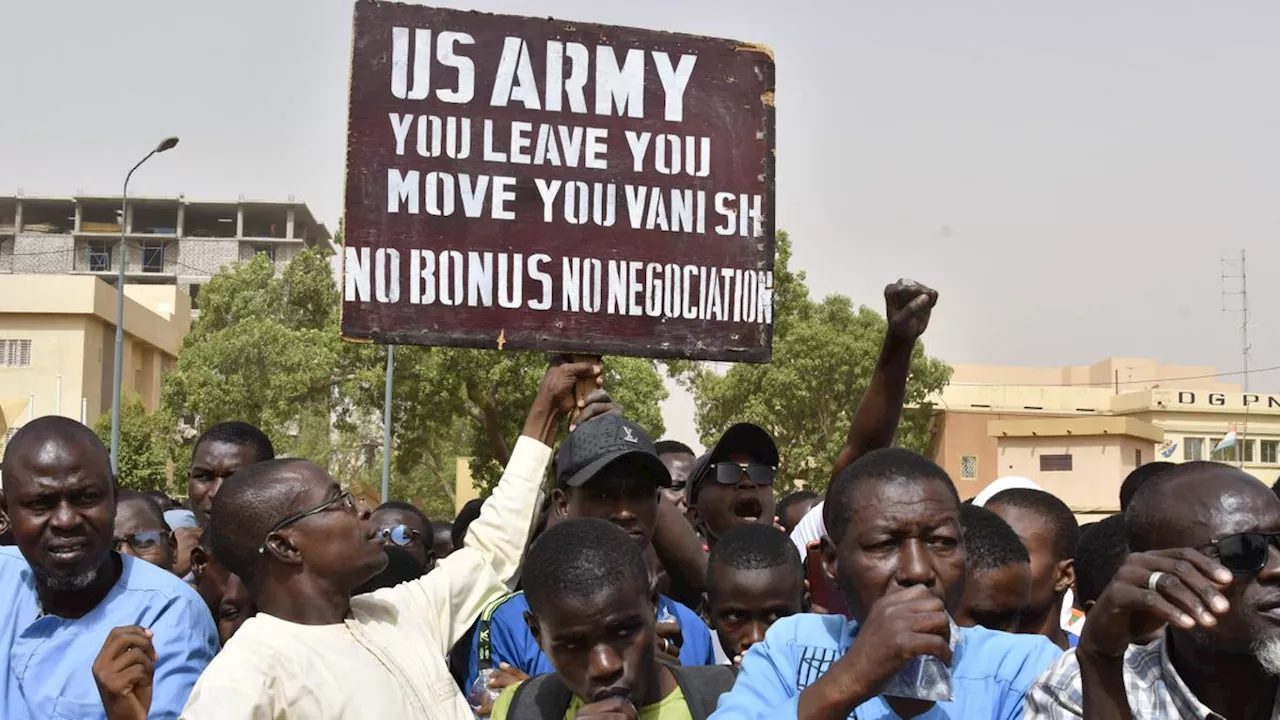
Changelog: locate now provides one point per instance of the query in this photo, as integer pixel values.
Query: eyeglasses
(140, 541)
(730, 473)
(348, 504)
(1245, 552)
(400, 535)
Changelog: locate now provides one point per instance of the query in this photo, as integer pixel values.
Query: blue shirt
(512, 643)
(1072, 639)
(46, 662)
(990, 672)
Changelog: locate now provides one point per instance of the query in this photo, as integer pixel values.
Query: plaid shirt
(1153, 687)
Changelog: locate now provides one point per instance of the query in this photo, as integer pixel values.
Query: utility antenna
(1237, 270)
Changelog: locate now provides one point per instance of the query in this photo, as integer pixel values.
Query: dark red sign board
(533, 184)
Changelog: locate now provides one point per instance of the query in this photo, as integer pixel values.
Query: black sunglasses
(400, 535)
(140, 541)
(349, 503)
(1245, 552)
(730, 473)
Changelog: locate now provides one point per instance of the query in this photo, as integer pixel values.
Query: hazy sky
(1068, 175)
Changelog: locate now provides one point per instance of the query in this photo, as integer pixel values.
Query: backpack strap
(545, 697)
(484, 645)
(702, 686)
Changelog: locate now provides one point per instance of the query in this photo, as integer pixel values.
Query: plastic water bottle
(481, 695)
(666, 617)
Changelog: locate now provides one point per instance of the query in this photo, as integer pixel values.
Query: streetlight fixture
(167, 144)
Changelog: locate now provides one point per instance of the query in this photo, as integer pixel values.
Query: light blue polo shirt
(46, 662)
(990, 672)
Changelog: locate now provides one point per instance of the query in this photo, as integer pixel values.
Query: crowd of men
(611, 578)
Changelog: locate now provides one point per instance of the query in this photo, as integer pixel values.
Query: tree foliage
(824, 353)
(451, 402)
(145, 442)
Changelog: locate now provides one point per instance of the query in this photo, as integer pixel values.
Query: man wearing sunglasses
(295, 538)
(733, 483)
(140, 530)
(1206, 561)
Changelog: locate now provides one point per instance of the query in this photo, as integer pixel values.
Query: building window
(152, 256)
(8, 435)
(15, 353)
(1137, 458)
(268, 250)
(968, 467)
(1192, 449)
(1270, 451)
(1227, 454)
(98, 257)
(1055, 463)
(194, 291)
(1248, 450)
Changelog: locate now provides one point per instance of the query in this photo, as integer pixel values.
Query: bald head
(40, 433)
(251, 502)
(60, 501)
(1191, 504)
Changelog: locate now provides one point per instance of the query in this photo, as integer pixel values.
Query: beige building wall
(1181, 411)
(464, 490)
(70, 323)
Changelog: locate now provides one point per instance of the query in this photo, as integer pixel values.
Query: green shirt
(671, 707)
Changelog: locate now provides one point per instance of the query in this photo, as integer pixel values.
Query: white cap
(999, 486)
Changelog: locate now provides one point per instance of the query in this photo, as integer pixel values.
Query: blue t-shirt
(46, 663)
(511, 642)
(990, 672)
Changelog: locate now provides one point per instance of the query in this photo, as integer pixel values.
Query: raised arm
(454, 594)
(681, 552)
(908, 306)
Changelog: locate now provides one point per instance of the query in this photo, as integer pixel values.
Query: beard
(66, 583)
(1267, 650)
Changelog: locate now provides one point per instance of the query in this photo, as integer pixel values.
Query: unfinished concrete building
(169, 241)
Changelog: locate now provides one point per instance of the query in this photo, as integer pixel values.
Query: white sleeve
(809, 530)
(453, 595)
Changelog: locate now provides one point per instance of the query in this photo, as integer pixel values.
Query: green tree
(824, 353)
(146, 440)
(264, 350)
(451, 402)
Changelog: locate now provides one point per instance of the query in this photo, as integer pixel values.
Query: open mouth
(748, 508)
(67, 551)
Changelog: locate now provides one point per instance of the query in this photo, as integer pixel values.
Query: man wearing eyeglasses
(140, 530)
(1206, 561)
(313, 652)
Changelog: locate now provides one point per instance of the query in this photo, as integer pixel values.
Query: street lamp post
(167, 144)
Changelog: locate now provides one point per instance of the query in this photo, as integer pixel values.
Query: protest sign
(535, 184)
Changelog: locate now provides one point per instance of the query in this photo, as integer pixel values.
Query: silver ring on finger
(1153, 582)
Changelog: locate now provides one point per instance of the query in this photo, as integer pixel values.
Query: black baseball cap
(602, 441)
(741, 439)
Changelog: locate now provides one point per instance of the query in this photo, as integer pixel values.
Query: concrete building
(170, 241)
(1078, 431)
(57, 345)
